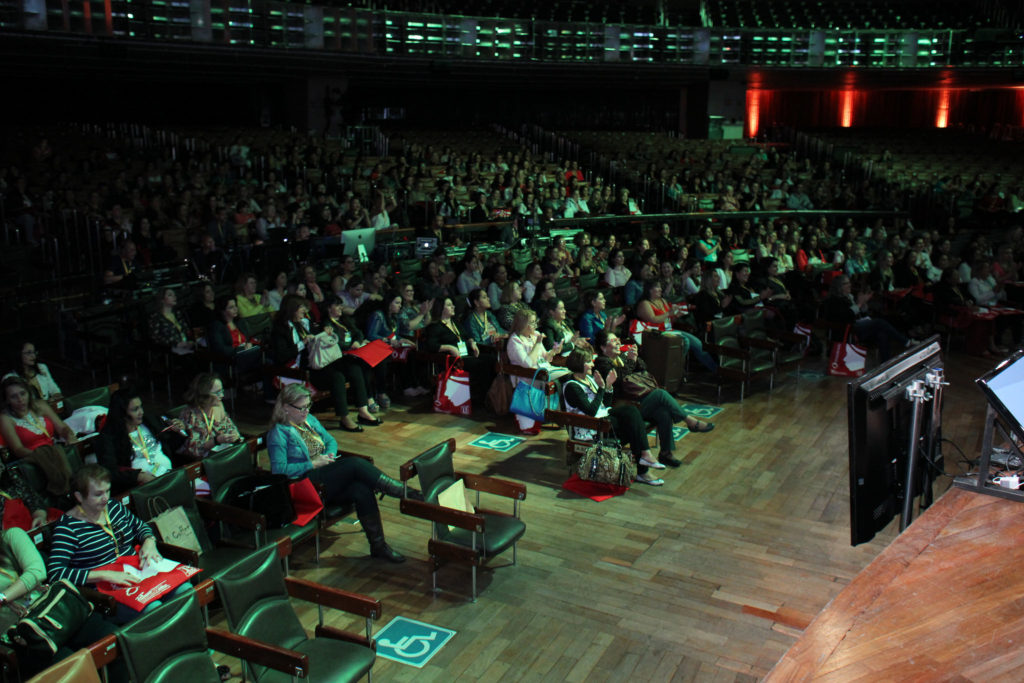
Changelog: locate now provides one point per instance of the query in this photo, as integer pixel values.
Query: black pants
(333, 378)
(349, 479)
(630, 428)
(660, 408)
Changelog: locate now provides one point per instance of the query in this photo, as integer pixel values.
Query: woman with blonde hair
(526, 349)
(299, 446)
(206, 420)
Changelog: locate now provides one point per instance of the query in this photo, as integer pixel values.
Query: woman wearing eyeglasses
(299, 446)
(205, 419)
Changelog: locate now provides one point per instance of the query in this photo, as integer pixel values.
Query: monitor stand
(981, 481)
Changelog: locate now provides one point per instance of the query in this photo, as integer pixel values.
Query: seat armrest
(728, 351)
(178, 554)
(759, 343)
(442, 515)
(324, 631)
(351, 454)
(335, 598)
(520, 371)
(288, 661)
(499, 487)
(220, 512)
(104, 651)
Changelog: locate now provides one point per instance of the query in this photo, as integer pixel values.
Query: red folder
(373, 353)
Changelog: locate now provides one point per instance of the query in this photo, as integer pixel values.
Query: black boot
(378, 546)
(394, 488)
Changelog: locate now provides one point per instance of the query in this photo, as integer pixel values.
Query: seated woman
(444, 336)
(526, 349)
(657, 312)
(132, 445)
(657, 406)
(383, 325)
(207, 423)
(299, 446)
(842, 307)
(96, 532)
(22, 575)
(203, 309)
(414, 316)
(250, 302)
(225, 339)
(617, 274)
(167, 327)
(594, 318)
(28, 427)
(710, 303)
(511, 303)
(480, 325)
(275, 295)
(987, 291)
(586, 393)
(15, 491)
(556, 329)
(288, 340)
(28, 367)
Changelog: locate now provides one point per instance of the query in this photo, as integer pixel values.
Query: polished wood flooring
(712, 577)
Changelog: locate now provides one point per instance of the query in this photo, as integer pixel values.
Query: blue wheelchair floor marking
(701, 412)
(497, 442)
(411, 642)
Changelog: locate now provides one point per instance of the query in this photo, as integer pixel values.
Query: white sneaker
(649, 479)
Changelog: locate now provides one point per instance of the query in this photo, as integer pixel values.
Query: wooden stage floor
(712, 577)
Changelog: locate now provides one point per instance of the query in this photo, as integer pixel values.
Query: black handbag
(52, 619)
(267, 494)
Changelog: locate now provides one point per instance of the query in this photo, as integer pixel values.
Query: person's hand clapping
(610, 379)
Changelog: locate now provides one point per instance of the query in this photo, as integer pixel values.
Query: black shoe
(343, 428)
(385, 552)
(668, 459)
(371, 422)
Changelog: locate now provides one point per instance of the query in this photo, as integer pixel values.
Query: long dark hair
(116, 425)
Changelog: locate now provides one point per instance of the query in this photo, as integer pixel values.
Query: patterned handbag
(607, 463)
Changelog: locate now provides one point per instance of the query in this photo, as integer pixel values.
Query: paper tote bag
(452, 395)
(846, 358)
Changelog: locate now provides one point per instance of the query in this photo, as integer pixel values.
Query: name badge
(348, 338)
(668, 324)
(463, 351)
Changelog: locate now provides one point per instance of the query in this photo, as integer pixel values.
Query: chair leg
(316, 547)
(514, 554)
(474, 583)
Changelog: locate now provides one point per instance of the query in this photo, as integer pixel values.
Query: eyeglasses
(301, 409)
(219, 392)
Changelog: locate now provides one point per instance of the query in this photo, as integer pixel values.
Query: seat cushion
(501, 532)
(329, 660)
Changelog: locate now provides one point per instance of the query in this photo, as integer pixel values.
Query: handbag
(323, 350)
(499, 396)
(267, 494)
(846, 358)
(528, 400)
(173, 524)
(52, 619)
(605, 462)
(636, 385)
(452, 394)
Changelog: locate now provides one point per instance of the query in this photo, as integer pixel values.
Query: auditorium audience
(29, 426)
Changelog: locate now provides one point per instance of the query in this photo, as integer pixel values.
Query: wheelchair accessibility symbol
(411, 642)
(497, 442)
(701, 412)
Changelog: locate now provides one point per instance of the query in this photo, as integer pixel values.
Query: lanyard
(108, 528)
(141, 444)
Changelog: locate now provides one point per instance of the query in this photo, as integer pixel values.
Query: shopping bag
(846, 358)
(637, 328)
(528, 400)
(154, 582)
(452, 394)
(175, 527)
(305, 500)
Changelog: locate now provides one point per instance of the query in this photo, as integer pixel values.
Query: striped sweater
(79, 546)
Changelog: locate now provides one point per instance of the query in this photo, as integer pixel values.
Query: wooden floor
(712, 577)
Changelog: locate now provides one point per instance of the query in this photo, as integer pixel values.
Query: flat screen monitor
(359, 243)
(1004, 388)
(425, 246)
(879, 421)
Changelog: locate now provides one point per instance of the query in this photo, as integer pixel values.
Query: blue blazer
(288, 453)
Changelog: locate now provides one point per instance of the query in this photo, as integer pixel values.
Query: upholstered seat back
(168, 644)
(224, 466)
(435, 470)
(256, 602)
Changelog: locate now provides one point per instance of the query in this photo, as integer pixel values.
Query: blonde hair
(522, 319)
(289, 394)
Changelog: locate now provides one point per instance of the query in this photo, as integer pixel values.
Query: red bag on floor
(846, 358)
(452, 394)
